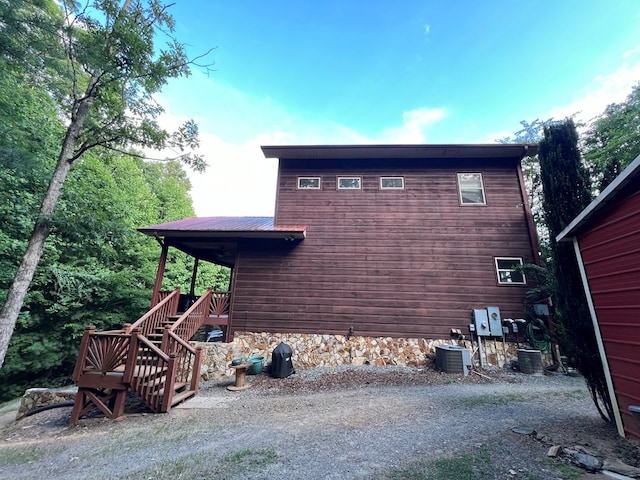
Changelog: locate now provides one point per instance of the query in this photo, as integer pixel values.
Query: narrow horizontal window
(509, 270)
(349, 183)
(471, 189)
(309, 183)
(391, 183)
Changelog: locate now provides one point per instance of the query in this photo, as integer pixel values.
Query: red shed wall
(402, 263)
(611, 255)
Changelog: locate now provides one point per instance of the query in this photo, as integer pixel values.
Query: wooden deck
(151, 358)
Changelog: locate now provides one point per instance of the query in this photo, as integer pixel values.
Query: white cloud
(414, 126)
(239, 180)
(603, 90)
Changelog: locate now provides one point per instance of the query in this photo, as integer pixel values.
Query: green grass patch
(492, 400)
(246, 460)
(204, 465)
(471, 466)
(569, 472)
(11, 406)
(22, 456)
(186, 467)
(576, 394)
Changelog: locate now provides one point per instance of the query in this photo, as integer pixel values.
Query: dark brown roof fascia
(498, 150)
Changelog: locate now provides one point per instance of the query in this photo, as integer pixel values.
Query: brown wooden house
(606, 239)
(373, 240)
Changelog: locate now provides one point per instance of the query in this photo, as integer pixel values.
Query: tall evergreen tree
(567, 191)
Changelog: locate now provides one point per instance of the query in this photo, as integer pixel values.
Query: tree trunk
(20, 285)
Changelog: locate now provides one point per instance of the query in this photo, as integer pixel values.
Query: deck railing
(189, 322)
(155, 318)
(187, 358)
(219, 303)
(102, 353)
(110, 363)
(154, 375)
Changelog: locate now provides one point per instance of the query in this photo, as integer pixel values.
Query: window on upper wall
(508, 270)
(349, 183)
(471, 189)
(391, 183)
(309, 183)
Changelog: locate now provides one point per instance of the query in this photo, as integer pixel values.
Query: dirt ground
(359, 423)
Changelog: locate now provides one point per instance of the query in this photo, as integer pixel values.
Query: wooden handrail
(155, 317)
(154, 370)
(188, 359)
(190, 321)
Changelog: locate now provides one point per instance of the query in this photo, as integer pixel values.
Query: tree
(567, 191)
(613, 140)
(532, 132)
(113, 68)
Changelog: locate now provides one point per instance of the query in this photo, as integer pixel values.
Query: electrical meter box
(495, 322)
(481, 321)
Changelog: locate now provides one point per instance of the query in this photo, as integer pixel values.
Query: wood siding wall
(401, 263)
(611, 255)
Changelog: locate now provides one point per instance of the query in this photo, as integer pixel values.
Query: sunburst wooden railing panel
(219, 303)
(102, 372)
(101, 352)
(156, 317)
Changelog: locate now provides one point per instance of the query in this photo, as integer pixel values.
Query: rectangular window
(508, 270)
(471, 189)
(349, 183)
(309, 183)
(391, 183)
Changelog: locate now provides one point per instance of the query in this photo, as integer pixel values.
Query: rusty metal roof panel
(223, 226)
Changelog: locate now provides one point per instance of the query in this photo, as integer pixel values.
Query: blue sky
(335, 72)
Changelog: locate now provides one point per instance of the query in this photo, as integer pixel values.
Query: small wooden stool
(241, 375)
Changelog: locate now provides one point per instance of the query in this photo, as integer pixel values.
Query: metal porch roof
(224, 227)
(215, 238)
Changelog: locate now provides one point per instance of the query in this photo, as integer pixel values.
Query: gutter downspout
(528, 214)
(596, 328)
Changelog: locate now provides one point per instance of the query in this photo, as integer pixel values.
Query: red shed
(606, 238)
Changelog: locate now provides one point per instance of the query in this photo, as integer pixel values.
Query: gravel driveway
(357, 423)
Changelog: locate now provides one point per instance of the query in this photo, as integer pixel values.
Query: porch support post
(193, 277)
(160, 274)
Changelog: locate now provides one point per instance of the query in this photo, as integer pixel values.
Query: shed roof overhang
(515, 151)
(215, 239)
(628, 175)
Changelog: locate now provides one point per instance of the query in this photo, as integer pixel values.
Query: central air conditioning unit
(530, 361)
(453, 359)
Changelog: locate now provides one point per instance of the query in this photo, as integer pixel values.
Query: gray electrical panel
(481, 321)
(495, 322)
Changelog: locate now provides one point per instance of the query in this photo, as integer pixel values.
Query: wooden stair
(151, 358)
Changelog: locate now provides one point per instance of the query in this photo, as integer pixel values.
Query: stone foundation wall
(311, 350)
